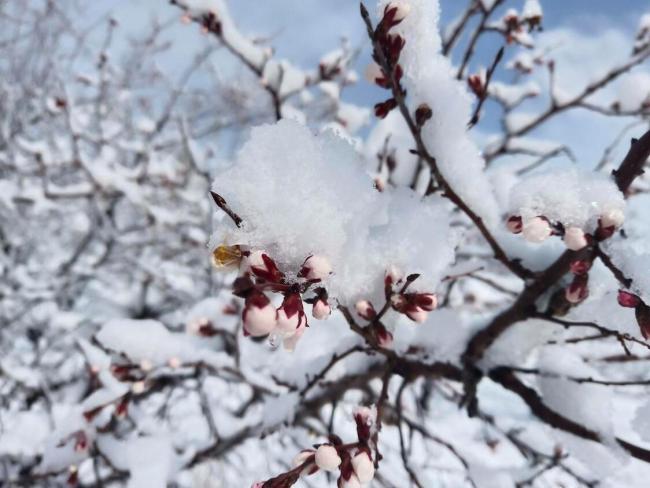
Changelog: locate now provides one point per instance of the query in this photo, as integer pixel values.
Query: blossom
(316, 268)
(363, 467)
(327, 458)
(259, 316)
(290, 315)
(321, 309)
(575, 238)
(627, 299)
(536, 229)
(365, 309)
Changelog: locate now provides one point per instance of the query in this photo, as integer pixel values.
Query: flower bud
(174, 362)
(393, 276)
(416, 314)
(146, 365)
(262, 266)
(642, 313)
(138, 387)
(291, 340)
(316, 268)
(290, 314)
(365, 309)
(259, 316)
(422, 114)
(384, 337)
(363, 467)
(81, 441)
(321, 309)
(577, 291)
(426, 301)
(612, 218)
(514, 224)
(351, 482)
(627, 299)
(536, 229)
(327, 458)
(575, 239)
(302, 456)
(395, 12)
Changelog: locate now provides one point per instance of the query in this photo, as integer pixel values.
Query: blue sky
(592, 34)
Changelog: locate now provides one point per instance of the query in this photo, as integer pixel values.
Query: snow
(429, 78)
(327, 196)
(573, 197)
(633, 259)
(513, 95)
(150, 340)
(634, 91)
(532, 9)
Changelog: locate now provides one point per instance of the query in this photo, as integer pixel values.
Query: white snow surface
(300, 194)
(571, 196)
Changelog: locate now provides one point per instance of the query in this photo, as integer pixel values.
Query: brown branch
(488, 77)
(221, 203)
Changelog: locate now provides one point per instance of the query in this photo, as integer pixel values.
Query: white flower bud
(174, 362)
(614, 217)
(316, 268)
(574, 238)
(403, 9)
(253, 259)
(321, 310)
(327, 458)
(363, 467)
(365, 309)
(353, 482)
(259, 315)
(301, 457)
(394, 275)
(373, 72)
(138, 387)
(417, 314)
(146, 365)
(536, 230)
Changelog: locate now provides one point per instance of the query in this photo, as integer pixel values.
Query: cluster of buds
(416, 306)
(260, 274)
(513, 24)
(385, 70)
(641, 310)
(353, 461)
(538, 229)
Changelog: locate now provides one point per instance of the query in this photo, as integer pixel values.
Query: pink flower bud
(291, 340)
(365, 418)
(642, 313)
(426, 301)
(81, 441)
(514, 224)
(316, 268)
(384, 337)
(290, 314)
(262, 266)
(627, 299)
(574, 238)
(393, 276)
(352, 482)
(259, 316)
(321, 309)
(577, 291)
(396, 11)
(363, 467)
(416, 314)
(374, 74)
(536, 230)
(365, 309)
(327, 458)
(302, 456)
(612, 218)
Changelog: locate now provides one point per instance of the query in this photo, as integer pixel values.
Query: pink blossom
(363, 467)
(321, 309)
(574, 238)
(316, 268)
(365, 309)
(259, 316)
(327, 458)
(291, 314)
(536, 229)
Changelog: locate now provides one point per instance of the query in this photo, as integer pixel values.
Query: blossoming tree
(408, 309)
